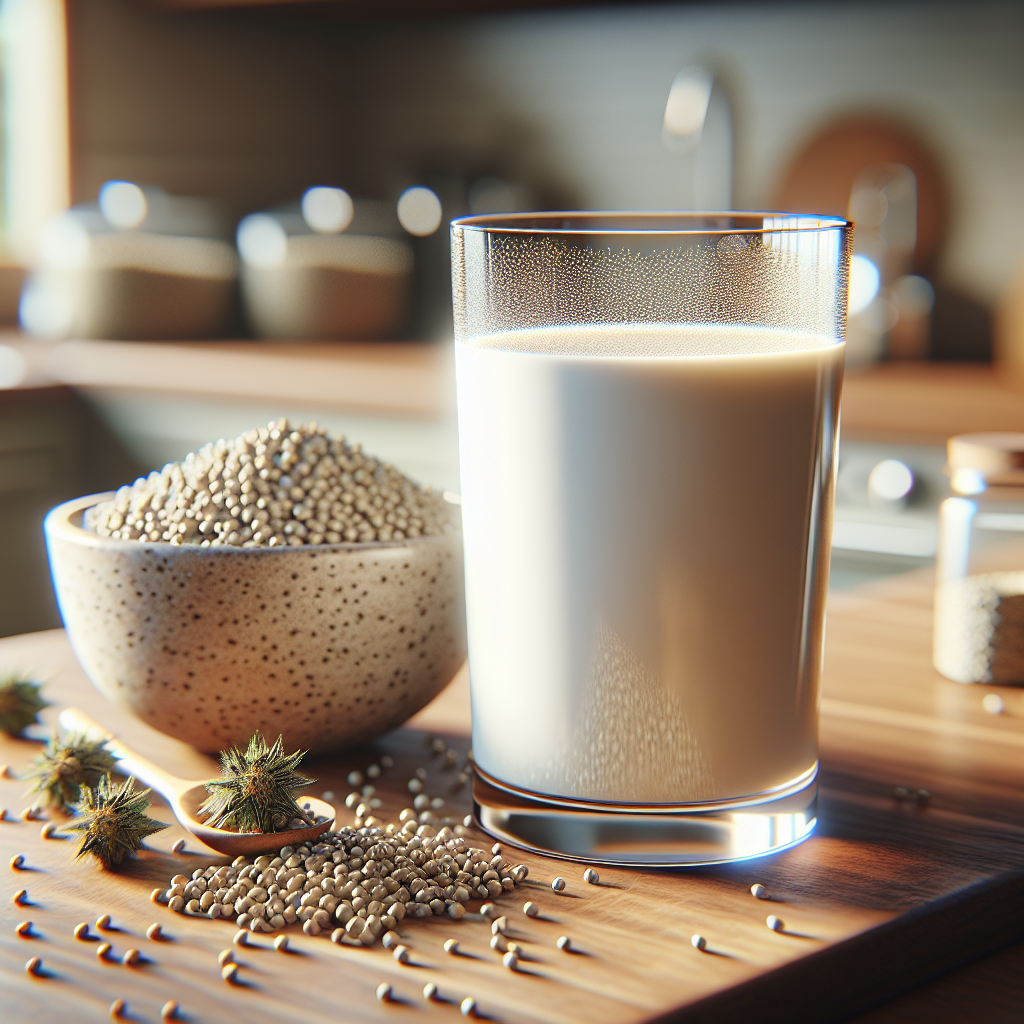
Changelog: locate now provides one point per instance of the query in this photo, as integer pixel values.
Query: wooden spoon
(186, 797)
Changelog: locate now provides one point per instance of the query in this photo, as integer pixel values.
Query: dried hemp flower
(59, 772)
(257, 790)
(20, 702)
(114, 821)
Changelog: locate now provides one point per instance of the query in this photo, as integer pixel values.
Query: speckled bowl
(329, 645)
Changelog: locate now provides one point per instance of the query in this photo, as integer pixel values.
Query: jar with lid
(979, 593)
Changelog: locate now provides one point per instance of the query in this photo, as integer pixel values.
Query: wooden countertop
(885, 896)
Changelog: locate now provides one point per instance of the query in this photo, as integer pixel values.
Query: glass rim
(633, 223)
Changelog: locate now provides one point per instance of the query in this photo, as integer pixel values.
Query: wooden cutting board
(885, 895)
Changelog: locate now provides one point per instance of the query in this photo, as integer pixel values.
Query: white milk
(647, 516)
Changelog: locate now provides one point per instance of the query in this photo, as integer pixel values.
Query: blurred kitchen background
(218, 212)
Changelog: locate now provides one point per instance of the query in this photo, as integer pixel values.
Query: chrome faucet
(698, 126)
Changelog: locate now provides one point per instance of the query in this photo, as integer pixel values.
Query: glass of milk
(648, 408)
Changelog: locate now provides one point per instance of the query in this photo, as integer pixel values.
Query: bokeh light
(123, 204)
(327, 210)
(864, 283)
(262, 241)
(419, 211)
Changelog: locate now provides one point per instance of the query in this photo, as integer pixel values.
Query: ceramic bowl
(328, 645)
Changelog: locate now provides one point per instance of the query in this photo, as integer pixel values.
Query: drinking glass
(648, 407)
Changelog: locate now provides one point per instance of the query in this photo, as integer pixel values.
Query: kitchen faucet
(697, 126)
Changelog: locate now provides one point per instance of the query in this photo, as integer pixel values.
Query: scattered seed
(179, 846)
(117, 1008)
(326, 886)
(3, 813)
(154, 932)
(992, 703)
(430, 991)
(131, 957)
(774, 923)
(241, 937)
(5, 772)
(564, 942)
(226, 956)
(467, 821)
(157, 895)
(451, 947)
(530, 909)
(34, 966)
(352, 800)
(384, 992)
(499, 943)
(103, 950)
(698, 941)
(415, 786)
(499, 926)
(281, 943)
(20, 898)
(759, 891)
(169, 1011)
(468, 1006)
(81, 932)
(391, 940)
(29, 814)
(591, 876)
(355, 778)
(103, 922)
(48, 830)
(511, 961)
(229, 972)
(401, 954)
(17, 861)
(490, 911)
(558, 884)
(24, 929)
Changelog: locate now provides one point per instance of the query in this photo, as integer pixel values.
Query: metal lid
(980, 461)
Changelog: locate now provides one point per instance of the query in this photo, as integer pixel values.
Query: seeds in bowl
(275, 486)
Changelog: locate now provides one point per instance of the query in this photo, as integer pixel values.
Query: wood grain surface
(886, 895)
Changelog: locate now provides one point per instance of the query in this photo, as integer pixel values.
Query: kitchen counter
(921, 402)
(884, 897)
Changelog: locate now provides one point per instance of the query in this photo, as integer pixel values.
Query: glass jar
(979, 594)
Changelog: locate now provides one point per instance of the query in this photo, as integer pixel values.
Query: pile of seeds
(356, 883)
(270, 487)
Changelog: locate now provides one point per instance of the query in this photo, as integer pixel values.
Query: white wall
(579, 95)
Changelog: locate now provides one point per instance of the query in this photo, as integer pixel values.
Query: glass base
(635, 835)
